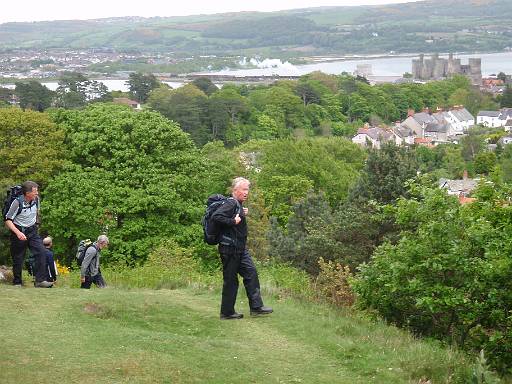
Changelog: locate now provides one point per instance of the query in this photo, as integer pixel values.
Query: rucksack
(80, 252)
(211, 229)
(13, 193)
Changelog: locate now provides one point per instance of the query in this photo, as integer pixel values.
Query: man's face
(241, 192)
(29, 196)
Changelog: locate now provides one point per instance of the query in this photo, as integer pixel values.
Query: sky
(37, 10)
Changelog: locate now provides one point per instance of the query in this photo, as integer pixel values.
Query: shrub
(449, 274)
(333, 282)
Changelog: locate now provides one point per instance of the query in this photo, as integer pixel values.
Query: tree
(485, 162)
(34, 95)
(141, 85)
(135, 175)
(187, 106)
(31, 148)
(385, 174)
(288, 166)
(205, 85)
(506, 98)
(75, 90)
(6, 95)
(502, 76)
(346, 235)
(472, 144)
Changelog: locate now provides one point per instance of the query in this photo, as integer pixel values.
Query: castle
(439, 68)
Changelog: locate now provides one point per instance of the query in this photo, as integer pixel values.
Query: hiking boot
(261, 311)
(17, 285)
(43, 284)
(234, 316)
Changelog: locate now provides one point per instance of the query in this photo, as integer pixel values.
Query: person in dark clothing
(51, 268)
(90, 271)
(231, 218)
(21, 220)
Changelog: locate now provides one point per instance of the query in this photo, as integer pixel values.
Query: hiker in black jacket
(234, 255)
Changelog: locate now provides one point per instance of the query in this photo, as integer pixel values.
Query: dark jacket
(51, 273)
(232, 235)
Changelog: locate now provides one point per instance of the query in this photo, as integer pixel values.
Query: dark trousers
(97, 279)
(238, 262)
(18, 250)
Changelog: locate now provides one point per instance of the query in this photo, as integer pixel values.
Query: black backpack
(13, 193)
(211, 229)
(80, 251)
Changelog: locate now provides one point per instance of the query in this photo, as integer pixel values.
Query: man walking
(90, 270)
(21, 220)
(231, 218)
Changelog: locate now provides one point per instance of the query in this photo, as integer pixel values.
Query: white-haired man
(90, 271)
(234, 255)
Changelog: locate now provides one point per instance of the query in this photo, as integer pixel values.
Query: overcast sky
(37, 10)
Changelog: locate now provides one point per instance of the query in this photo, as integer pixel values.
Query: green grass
(120, 335)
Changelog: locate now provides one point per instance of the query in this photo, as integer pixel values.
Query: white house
(494, 119)
(461, 120)
(373, 137)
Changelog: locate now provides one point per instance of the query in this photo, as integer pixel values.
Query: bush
(333, 282)
(449, 274)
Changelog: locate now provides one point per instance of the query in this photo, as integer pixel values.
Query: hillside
(424, 26)
(175, 336)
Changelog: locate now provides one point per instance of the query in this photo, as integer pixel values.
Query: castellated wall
(439, 68)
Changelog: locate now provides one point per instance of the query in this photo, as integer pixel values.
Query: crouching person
(90, 271)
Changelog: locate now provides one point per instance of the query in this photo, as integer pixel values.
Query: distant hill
(425, 26)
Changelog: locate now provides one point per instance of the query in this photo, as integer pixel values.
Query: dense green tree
(205, 85)
(506, 98)
(473, 100)
(6, 95)
(187, 106)
(31, 148)
(135, 176)
(472, 144)
(34, 95)
(280, 98)
(485, 162)
(385, 174)
(141, 85)
(331, 165)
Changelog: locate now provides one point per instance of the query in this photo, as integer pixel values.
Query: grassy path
(175, 336)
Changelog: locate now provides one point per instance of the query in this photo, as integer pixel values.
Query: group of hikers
(21, 218)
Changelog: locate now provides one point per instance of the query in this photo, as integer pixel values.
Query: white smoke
(281, 67)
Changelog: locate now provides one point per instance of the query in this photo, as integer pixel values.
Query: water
(112, 84)
(492, 63)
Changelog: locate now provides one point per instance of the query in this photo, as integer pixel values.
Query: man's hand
(21, 236)
(82, 279)
(246, 211)
(238, 219)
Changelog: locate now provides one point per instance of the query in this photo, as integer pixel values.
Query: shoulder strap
(238, 208)
(20, 203)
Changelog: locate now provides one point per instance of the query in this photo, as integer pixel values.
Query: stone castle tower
(439, 68)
